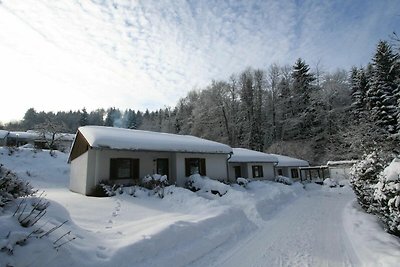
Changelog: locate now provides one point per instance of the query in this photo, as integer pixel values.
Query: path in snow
(308, 232)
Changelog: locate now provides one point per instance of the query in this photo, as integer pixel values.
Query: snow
(3, 134)
(247, 155)
(392, 172)
(22, 135)
(283, 180)
(264, 224)
(285, 161)
(32, 135)
(118, 138)
(341, 162)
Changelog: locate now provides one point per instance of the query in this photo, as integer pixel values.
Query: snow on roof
(119, 138)
(285, 161)
(341, 162)
(22, 135)
(3, 134)
(247, 155)
(33, 135)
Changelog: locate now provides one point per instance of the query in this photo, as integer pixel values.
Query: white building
(289, 167)
(125, 156)
(251, 164)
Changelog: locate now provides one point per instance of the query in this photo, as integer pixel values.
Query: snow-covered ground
(264, 224)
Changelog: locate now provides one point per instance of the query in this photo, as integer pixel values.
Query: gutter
(227, 164)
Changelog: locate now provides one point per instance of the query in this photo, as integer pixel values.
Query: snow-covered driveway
(307, 232)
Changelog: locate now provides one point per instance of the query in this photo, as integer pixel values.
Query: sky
(70, 54)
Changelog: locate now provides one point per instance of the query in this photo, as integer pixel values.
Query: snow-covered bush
(11, 187)
(155, 182)
(364, 177)
(106, 189)
(202, 183)
(330, 182)
(242, 182)
(387, 194)
(283, 180)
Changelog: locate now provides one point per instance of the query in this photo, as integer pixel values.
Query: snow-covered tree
(84, 119)
(381, 94)
(364, 176)
(359, 87)
(387, 194)
(302, 84)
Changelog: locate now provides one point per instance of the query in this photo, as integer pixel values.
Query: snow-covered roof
(285, 161)
(247, 155)
(33, 135)
(341, 162)
(22, 135)
(127, 139)
(3, 134)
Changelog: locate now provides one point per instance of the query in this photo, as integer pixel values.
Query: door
(238, 171)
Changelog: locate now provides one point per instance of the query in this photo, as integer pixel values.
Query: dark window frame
(115, 165)
(238, 171)
(200, 162)
(296, 172)
(260, 171)
(158, 160)
(280, 172)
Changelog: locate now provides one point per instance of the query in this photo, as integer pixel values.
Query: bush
(156, 183)
(387, 194)
(364, 177)
(283, 180)
(202, 183)
(11, 187)
(242, 182)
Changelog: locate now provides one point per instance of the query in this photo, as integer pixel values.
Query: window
(124, 168)
(195, 166)
(257, 171)
(238, 171)
(163, 167)
(280, 172)
(295, 173)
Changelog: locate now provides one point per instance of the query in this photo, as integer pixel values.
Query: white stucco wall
(78, 174)
(147, 163)
(93, 166)
(268, 170)
(216, 166)
(287, 171)
(243, 169)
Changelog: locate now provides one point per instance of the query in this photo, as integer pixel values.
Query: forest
(294, 110)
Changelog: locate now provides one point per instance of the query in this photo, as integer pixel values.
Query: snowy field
(265, 224)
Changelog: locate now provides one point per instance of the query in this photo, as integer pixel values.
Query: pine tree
(381, 94)
(359, 88)
(84, 116)
(302, 84)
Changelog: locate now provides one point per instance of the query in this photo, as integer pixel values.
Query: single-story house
(340, 170)
(3, 137)
(289, 167)
(125, 156)
(62, 141)
(251, 164)
(20, 138)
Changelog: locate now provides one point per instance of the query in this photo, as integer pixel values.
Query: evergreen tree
(302, 84)
(381, 94)
(84, 119)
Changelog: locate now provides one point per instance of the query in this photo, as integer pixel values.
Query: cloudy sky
(70, 54)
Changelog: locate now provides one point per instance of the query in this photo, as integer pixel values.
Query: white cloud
(61, 55)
